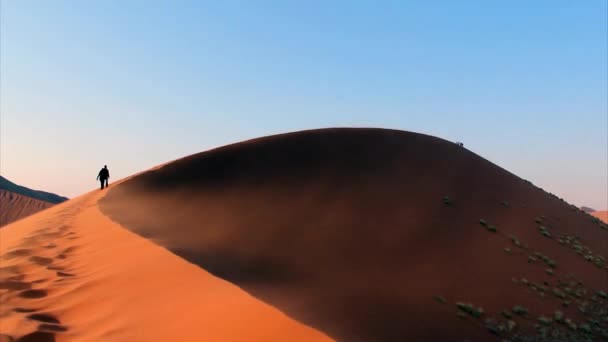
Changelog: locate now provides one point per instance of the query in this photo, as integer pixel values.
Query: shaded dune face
(346, 230)
(14, 206)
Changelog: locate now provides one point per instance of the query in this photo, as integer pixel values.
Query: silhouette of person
(103, 176)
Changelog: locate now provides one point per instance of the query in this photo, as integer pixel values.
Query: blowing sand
(71, 274)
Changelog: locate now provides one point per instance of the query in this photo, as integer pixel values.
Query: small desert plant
(571, 324)
(440, 299)
(511, 325)
(585, 327)
(519, 310)
(470, 309)
(558, 293)
(550, 262)
(544, 320)
(558, 316)
(491, 228)
(544, 231)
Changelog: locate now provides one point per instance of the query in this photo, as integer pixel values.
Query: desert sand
(344, 234)
(15, 206)
(71, 274)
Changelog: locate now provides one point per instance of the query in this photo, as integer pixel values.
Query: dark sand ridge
(347, 230)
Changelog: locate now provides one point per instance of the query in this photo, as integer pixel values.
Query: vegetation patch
(519, 310)
(470, 309)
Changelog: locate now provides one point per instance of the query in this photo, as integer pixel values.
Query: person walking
(103, 176)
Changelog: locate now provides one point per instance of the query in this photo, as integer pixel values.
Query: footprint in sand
(33, 293)
(38, 336)
(54, 268)
(42, 261)
(69, 250)
(9, 269)
(14, 285)
(52, 327)
(17, 277)
(45, 318)
(41, 231)
(64, 274)
(61, 256)
(24, 310)
(17, 253)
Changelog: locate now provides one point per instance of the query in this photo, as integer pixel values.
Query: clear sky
(133, 84)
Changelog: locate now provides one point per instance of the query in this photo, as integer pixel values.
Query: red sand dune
(71, 274)
(14, 206)
(349, 231)
(602, 215)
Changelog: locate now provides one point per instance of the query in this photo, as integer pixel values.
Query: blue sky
(133, 84)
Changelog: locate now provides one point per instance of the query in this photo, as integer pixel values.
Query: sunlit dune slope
(376, 235)
(71, 274)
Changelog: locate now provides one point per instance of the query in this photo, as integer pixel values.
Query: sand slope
(15, 206)
(350, 232)
(71, 274)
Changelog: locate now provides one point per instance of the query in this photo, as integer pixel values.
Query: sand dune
(345, 234)
(375, 235)
(15, 206)
(71, 274)
(7, 185)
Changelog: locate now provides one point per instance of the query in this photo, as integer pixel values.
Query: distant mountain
(18, 202)
(5, 184)
(587, 209)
